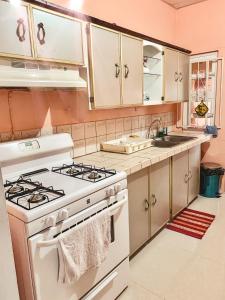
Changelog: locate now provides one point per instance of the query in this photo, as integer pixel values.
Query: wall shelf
(151, 74)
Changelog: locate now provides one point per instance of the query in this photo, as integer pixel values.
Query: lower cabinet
(179, 182)
(156, 194)
(159, 195)
(185, 178)
(138, 209)
(148, 192)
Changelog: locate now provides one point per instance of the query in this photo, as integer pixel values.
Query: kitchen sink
(171, 141)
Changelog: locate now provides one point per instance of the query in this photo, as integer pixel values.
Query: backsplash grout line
(91, 134)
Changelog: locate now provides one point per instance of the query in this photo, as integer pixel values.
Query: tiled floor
(177, 267)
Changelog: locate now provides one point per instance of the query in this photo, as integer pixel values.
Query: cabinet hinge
(88, 29)
(91, 99)
(163, 53)
(162, 98)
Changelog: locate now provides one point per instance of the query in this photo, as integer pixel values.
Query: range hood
(32, 74)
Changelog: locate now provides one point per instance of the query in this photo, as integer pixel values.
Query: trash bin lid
(211, 166)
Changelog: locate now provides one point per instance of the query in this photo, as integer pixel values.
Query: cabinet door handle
(154, 200)
(146, 204)
(186, 178)
(117, 70)
(21, 30)
(127, 71)
(176, 77)
(180, 77)
(41, 33)
(189, 175)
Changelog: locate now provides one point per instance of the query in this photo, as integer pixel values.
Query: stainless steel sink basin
(171, 141)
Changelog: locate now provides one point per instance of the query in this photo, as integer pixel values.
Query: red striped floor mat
(191, 222)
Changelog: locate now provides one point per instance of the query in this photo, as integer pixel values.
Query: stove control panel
(113, 190)
(29, 146)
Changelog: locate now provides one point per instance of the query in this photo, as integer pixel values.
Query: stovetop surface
(60, 190)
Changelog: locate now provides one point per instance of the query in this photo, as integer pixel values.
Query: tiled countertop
(131, 163)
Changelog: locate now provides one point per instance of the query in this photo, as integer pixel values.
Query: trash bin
(210, 179)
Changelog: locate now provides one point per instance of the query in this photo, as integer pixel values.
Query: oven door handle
(99, 288)
(112, 211)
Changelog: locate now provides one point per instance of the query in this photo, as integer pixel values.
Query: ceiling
(182, 3)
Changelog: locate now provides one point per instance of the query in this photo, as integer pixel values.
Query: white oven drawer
(112, 285)
(44, 259)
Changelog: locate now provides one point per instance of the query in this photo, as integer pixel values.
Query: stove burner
(94, 175)
(30, 194)
(37, 197)
(72, 171)
(84, 172)
(15, 189)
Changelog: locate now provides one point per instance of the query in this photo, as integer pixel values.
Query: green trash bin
(210, 178)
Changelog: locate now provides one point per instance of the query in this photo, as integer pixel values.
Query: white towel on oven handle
(83, 247)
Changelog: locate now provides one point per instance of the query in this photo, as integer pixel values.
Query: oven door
(44, 254)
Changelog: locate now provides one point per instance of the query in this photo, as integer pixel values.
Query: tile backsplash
(88, 136)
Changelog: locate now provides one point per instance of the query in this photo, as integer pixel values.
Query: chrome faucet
(158, 122)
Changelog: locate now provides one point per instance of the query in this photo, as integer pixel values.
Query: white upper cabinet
(171, 75)
(132, 70)
(57, 37)
(176, 75)
(106, 67)
(183, 77)
(116, 67)
(15, 30)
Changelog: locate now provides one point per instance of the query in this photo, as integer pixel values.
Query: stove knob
(64, 214)
(118, 187)
(51, 221)
(111, 192)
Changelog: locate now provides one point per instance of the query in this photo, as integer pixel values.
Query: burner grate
(84, 172)
(30, 190)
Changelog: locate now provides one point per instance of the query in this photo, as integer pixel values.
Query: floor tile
(178, 267)
(209, 205)
(136, 292)
(201, 280)
(170, 239)
(155, 267)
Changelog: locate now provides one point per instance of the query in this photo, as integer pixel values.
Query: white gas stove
(47, 193)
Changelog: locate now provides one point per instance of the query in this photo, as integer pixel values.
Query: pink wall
(151, 17)
(201, 28)
(24, 110)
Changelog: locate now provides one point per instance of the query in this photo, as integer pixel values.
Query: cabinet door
(171, 75)
(106, 67)
(138, 209)
(194, 172)
(183, 81)
(15, 30)
(57, 38)
(159, 195)
(132, 74)
(179, 182)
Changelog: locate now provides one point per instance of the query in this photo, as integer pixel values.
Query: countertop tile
(138, 160)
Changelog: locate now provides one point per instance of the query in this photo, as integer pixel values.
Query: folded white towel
(83, 247)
